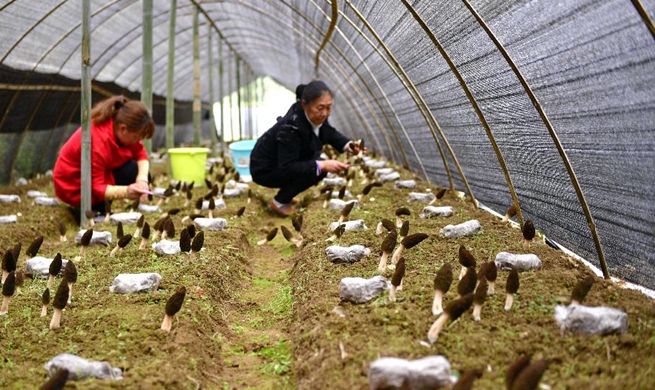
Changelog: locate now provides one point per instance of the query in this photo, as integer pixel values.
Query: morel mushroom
(240, 212)
(70, 277)
(345, 212)
(397, 279)
(107, 210)
(388, 244)
(8, 264)
(528, 234)
(385, 224)
(465, 382)
(404, 230)
(296, 221)
(196, 244)
(269, 237)
(515, 369)
(122, 243)
(20, 279)
(45, 301)
(119, 230)
(191, 229)
(85, 241)
(289, 236)
(173, 305)
(139, 225)
(367, 189)
(466, 259)
(529, 377)
(511, 288)
(438, 195)
(62, 231)
(468, 282)
(337, 233)
(189, 196)
(54, 269)
(491, 274)
(59, 303)
(400, 212)
(510, 213)
(407, 243)
(212, 207)
(479, 297)
(249, 196)
(145, 235)
(169, 229)
(185, 241)
(15, 251)
(198, 206)
(452, 312)
(442, 283)
(89, 217)
(8, 290)
(581, 289)
(34, 247)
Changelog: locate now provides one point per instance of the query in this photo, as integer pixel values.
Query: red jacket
(106, 155)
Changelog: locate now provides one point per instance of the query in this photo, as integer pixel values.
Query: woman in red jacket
(119, 162)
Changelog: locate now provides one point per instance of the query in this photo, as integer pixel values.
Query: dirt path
(258, 353)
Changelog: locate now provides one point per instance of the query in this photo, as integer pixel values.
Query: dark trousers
(123, 176)
(289, 186)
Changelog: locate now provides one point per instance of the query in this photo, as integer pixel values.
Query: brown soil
(261, 317)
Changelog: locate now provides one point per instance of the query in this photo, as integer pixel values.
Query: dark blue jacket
(292, 146)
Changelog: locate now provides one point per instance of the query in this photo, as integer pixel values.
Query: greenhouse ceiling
(546, 104)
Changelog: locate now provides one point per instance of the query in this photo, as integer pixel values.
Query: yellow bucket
(188, 164)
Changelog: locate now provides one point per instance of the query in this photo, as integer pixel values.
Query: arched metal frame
(328, 34)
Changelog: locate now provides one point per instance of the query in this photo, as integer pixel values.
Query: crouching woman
(119, 162)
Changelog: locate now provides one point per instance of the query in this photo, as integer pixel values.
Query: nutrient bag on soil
(125, 218)
(375, 163)
(420, 197)
(346, 254)
(428, 373)
(45, 201)
(585, 320)
(335, 182)
(433, 211)
(7, 219)
(80, 368)
(210, 223)
(390, 177)
(360, 290)
(9, 199)
(35, 194)
(219, 203)
(522, 262)
(39, 267)
(338, 204)
(98, 238)
(148, 209)
(135, 283)
(383, 171)
(467, 228)
(166, 247)
(404, 184)
(233, 192)
(357, 224)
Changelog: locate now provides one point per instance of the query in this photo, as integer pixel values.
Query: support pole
(238, 76)
(210, 70)
(146, 68)
(328, 34)
(221, 93)
(230, 77)
(85, 111)
(197, 104)
(170, 99)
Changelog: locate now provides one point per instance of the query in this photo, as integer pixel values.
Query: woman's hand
(353, 148)
(332, 166)
(137, 190)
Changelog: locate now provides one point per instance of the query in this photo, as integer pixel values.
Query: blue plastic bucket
(241, 155)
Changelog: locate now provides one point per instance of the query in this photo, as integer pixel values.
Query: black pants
(289, 186)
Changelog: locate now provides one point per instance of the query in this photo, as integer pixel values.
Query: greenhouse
(470, 143)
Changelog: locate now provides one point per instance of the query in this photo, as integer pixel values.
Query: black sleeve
(289, 146)
(333, 137)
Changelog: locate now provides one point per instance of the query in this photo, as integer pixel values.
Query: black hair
(299, 90)
(315, 90)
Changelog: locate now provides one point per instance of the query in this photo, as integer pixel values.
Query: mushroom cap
(89, 214)
(145, 233)
(241, 210)
(444, 278)
(468, 282)
(296, 221)
(141, 220)
(119, 230)
(86, 237)
(45, 297)
(528, 378)
(347, 209)
(9, 287)
(55, 265)
(62, 228)
(459, 306)
(465, 381)
(286, 233)
(271, 234)
(390, 226)
(441, 193)
(199, 203)
(466, 258)
(340, 230)
(174, 303)
(123, 241)
(342, 192)
(367, 189)
(491, 271)
(413, 239)
(70, 272)
(399, 272)
(185, 241)
(528, 230)
(582, 288)
(404, 229)
(198, 241)
(512, 281)
(61, 296)
(511, 211)
(15, 251)
(515, 369)
(389, 242)
(34, 247)
(191, 229)
(403, 211)
(169, 226)
(8, 261)
(480, 293)
(212, 204)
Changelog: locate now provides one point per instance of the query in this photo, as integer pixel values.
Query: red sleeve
(139, 151)
(99, 179)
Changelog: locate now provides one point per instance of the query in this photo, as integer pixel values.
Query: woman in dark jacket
(287, 156)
